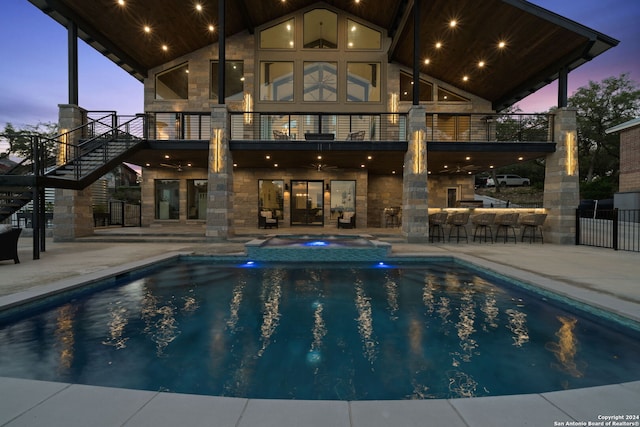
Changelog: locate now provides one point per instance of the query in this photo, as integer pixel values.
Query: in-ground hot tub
(295, 247)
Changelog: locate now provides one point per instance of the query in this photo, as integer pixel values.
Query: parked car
(509, 180)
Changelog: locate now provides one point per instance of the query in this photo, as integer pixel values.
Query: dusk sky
(33, 74)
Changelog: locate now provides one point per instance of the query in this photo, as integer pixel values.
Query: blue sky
(33, 74)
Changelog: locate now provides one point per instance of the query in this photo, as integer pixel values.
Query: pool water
(415, 330)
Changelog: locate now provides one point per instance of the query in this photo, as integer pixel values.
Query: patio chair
(9, 244)
(356, 136)
(483, 222)
(458, 221)
(531, 225)
(277, 134)
(506, 222)
(347, 220)
(267, 220)
(436, 225)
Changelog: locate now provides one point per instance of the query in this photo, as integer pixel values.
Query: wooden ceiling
(538, 43)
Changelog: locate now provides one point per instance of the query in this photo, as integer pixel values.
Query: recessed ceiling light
(369, 157)
(468, 158)
(147, 29)
(453, 23)
(121, 2)
(275, 165)
(438, 45)
(502, 44)
(166, 156)
(481, 64)
(211, 28)
(165, 47)
(267, 157)
(361, 166)
(520, 158)
(198, 7)
(427, 61)
(319, 157)
(465, 78)
(490, 166)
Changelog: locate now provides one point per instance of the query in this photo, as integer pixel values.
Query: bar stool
(506, 222)
(458, 221)
(436, 223)
(532, 224)
(483, 222)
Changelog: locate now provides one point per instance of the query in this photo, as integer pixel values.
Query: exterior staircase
(95, 155)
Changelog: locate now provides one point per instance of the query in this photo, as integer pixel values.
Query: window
(234, 76)
(343, 197)
(167, 199)
(280, 36)
(406, 89)
(362, 37)
(320, 81)
(276, 81)
(445, 95)
(320, 29)
(271, 197)
(197, 199)
(363, 82)
(173, 83)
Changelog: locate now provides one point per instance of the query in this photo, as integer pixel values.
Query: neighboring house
(628, 196)
(322, 97)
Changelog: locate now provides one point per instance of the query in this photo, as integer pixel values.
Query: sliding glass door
(307, 203)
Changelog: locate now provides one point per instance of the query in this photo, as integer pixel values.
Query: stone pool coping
(33, 403)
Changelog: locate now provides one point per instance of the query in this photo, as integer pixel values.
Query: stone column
(415, 197)
(561, 181)
(73, 209)
(220, 187)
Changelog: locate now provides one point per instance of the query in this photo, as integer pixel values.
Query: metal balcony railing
(458, 127)
(305, 126)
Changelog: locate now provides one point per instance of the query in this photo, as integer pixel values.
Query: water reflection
(271, 295)
(518, 327)
(365, 322)
(461, 384)
(319, 331)
(65, 335)
(391, 287)
(491, 311)
(428, 299)
(117, 324)
(234, 305)
(465, 326)
(566, 348)
(160, 322)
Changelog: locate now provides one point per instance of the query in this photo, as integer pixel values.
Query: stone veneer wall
(439, 184)
(383, 192)
(73, 209)
(147, 189)
(630, 159)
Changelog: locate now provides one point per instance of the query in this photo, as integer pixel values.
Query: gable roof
(623, 126)
(538, 42)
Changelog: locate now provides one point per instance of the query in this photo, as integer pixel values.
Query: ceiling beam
(399, 22)
(246, 16)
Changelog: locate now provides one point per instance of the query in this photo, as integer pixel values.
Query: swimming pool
(412, 329)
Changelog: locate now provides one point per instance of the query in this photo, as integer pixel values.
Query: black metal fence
(618, 229)
(119, 213)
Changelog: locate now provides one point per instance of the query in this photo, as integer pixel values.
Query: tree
(19, 140)
(601, 106)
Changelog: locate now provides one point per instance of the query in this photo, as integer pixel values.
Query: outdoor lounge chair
(267, 220)
(9, 244)
(347, 220)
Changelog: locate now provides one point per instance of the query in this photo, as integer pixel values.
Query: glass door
(307, 203)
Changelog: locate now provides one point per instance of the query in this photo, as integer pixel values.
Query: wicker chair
(267, 220)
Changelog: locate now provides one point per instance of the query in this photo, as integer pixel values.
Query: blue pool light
(381, 264)
(316, 243)
(314, 357)
(249, 264)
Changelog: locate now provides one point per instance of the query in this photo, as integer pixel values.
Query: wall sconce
(248, 108)
(327, 187)
(393, 108)
(571, 163)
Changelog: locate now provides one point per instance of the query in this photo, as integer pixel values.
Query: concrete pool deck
(602, 277)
